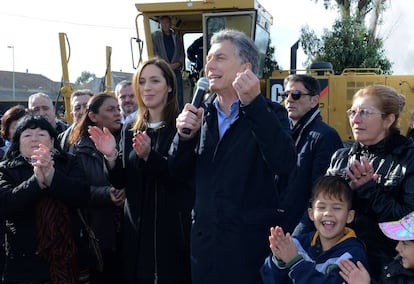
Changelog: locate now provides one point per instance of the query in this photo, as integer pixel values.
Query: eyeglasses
(294, 94)
(363, 113)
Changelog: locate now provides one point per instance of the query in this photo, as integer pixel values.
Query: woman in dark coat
(8, 124)
(41, 188)
(158, 205)
(103, 217)
(380, 168)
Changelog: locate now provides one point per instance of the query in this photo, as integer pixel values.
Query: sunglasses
(294, 94)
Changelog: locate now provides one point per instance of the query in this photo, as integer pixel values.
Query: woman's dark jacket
(389, 198)
(19, 194)
(102, 215)
(237, 191)
(157, 212)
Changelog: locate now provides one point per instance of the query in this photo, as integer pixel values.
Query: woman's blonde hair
(387, 99)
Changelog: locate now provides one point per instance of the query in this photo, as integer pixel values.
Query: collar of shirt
(223, 120)
(130, 117)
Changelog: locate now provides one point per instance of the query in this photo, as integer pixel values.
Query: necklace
(155, 125)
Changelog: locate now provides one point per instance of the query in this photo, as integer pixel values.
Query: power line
(65, 22)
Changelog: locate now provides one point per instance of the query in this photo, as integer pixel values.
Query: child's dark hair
(333, 187)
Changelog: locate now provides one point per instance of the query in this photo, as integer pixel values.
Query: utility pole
(14, 75)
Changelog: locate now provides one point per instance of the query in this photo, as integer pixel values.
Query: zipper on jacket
(155, 234)
(225, 133)
(180, 217)
(155, 147)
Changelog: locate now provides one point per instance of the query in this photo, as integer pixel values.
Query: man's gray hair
(38, 95)
(245, 48)
(121, 85)
(82, 92)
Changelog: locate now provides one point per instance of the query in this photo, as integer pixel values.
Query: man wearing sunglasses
(315, 143)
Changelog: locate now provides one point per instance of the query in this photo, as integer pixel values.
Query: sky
(29, 34)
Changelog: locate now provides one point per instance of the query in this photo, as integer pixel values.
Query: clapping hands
(361, 172)
(142, 144)
(43, 166)
(103, 139)
(282, 245)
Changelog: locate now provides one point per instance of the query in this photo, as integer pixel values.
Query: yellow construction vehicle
(206, 17)
(194, 18)
(337, 92)
(67, 89)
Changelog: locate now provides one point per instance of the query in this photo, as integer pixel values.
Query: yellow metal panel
(178, 7)
(341, 90)
(403, 84)
(336, 99)
(67, 88)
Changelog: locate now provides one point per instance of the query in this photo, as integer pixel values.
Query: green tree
(85, 77)
(359, 9)
(350, 43)
(270, 63)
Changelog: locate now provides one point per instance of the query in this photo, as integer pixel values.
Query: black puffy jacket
(389, 198)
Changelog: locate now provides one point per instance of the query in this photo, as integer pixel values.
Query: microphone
(202, 88)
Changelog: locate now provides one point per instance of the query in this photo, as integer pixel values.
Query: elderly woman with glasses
(379, 167)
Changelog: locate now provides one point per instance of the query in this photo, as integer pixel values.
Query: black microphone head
(203, 83)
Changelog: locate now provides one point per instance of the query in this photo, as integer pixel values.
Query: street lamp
(14, 76)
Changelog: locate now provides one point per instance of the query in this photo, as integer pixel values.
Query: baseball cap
(401, 230)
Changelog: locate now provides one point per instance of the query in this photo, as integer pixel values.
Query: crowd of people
(141, 189)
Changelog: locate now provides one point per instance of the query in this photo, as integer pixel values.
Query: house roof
(27, 84)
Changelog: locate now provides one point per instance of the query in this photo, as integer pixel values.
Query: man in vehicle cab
(169, 46)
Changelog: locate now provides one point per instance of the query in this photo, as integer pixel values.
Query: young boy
(401, 269)
(314, 257)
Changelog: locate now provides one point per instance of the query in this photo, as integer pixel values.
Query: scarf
(55, 242)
